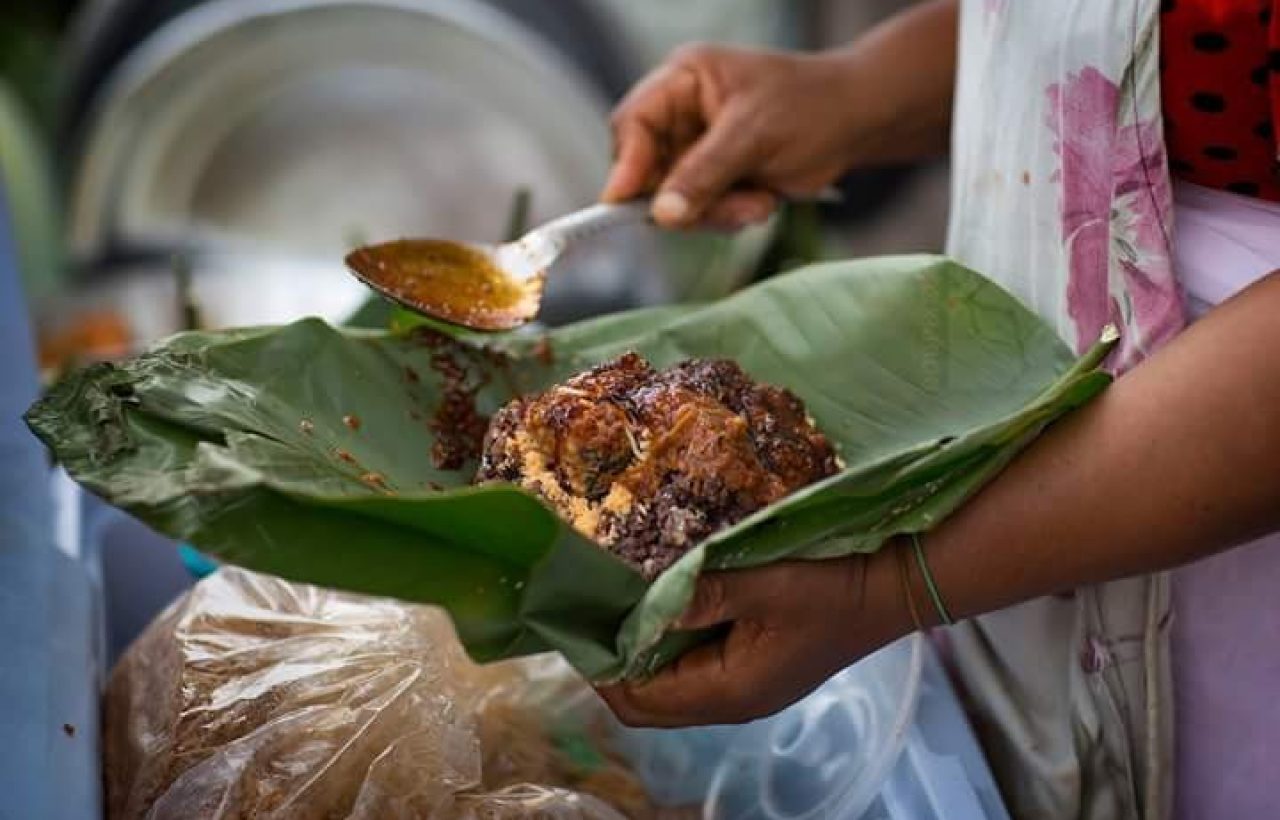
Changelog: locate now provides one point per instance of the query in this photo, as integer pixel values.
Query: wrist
(893, 87)
(854, 122)
(885, 611)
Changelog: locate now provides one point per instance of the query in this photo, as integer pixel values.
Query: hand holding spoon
(484, 287)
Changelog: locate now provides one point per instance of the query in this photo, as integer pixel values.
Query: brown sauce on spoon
(443, 279)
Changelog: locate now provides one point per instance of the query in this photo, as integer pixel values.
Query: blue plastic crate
(51, 650)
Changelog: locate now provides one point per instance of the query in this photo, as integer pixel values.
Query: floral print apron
(1061, 193)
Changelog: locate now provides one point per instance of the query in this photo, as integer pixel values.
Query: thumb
(722, 156)
(723, 597)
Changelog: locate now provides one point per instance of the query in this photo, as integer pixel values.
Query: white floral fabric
(1061, 193)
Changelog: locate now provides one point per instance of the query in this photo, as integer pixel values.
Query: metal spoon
(486, 287)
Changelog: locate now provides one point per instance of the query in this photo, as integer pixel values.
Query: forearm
(1177, 460)
(897, 83)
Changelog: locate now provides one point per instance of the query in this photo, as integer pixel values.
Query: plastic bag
(252, 697)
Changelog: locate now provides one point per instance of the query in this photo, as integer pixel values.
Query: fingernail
(670, 206)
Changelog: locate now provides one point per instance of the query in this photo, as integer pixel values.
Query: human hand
(721, 132)
(793, 625)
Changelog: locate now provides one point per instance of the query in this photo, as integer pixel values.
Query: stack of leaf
(306, 451)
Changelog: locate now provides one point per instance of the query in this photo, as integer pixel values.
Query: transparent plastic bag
(253, 697)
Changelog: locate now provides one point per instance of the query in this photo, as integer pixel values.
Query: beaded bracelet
(929, 583)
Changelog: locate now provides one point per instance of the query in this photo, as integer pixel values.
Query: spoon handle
(589, 221)
(549, 241)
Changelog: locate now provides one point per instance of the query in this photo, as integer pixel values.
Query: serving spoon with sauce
(487, 287)
(483, 287)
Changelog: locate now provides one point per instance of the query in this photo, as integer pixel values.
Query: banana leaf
(928, 377)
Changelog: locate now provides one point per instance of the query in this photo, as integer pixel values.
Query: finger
(651, 122)
(685, 113)
(718, 683)
(690, 692)
(731, 595)
(637, 163)
(738, 209)
(723, 155)
(618, 699)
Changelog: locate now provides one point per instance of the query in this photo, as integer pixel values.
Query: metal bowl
(298, 128)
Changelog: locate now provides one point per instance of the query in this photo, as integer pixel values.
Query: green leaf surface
(928, 377)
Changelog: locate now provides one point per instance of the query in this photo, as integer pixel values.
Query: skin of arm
(718, 133)
(1179, 459)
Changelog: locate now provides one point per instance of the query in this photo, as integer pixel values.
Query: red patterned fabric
(1220, 83)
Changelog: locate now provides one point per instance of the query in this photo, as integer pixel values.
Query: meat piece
(650, 463)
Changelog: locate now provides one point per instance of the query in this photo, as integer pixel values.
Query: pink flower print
(1084, 111)
(1115, 208)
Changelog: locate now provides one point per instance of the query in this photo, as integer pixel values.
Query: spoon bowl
(482, 287)
(460, 283)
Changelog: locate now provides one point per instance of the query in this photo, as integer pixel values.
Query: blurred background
(172, 163)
